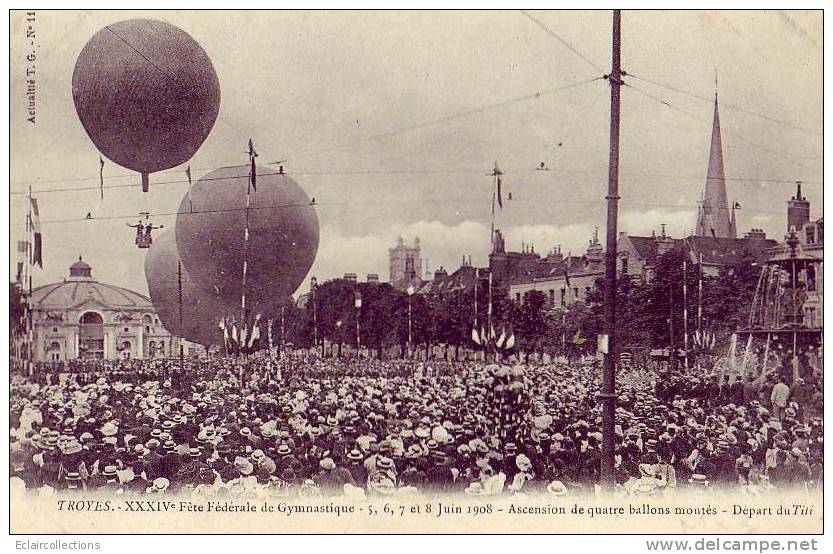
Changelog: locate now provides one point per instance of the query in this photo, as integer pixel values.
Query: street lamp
(358, 322)
(338, 333)
(410, 294)
(313, 284)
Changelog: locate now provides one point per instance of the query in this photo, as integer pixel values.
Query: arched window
(124, 349)
(53, 352)
(91, 336)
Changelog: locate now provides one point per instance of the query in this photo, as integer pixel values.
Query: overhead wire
(169, 76)
(725, 104)
(536, 199)
(385, 134)
(422, 171)
(723, 131)
(568, 45)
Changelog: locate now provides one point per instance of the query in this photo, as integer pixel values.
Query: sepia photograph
(416, 271)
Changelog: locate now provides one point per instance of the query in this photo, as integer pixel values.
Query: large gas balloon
(201, 310)
(283, 236)
(146, 93)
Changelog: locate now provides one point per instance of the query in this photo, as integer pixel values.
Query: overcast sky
(347, 99)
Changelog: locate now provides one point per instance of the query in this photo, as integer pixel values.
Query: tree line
(649, 313)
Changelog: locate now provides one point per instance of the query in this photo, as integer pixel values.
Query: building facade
(563, 279)
(405, 264)
(82, 318)
(810, 234)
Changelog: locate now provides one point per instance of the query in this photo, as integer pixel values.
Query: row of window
(520, 297)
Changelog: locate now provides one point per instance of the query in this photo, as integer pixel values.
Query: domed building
(82, 318)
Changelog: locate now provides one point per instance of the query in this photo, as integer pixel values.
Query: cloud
(442, 245)
(678, 222)
(445, 245)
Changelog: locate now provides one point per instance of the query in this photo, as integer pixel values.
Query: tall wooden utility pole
(608, 394)
(179, 296)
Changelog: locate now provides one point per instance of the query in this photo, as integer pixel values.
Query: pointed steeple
(714, 218)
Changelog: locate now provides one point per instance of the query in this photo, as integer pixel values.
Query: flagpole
(700, 293)
(685, 312)
(476, 279)
(246, 243)
(179, 300)
(30, 268)
(494, 194)
(489, 313)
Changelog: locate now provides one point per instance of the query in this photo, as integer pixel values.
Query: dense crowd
(323, 427)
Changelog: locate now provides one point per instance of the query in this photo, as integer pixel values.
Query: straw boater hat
(557, 488)
(73, 479)
(384, 463)
(109, 429)
(111, 472)
(698, 479)
(475, 488)
(160, 484)
(355, 455)
(243, 465)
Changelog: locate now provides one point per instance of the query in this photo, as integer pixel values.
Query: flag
(269, 332)
(188, 174)
(255, 336)
(243, 335)
(37, 252)
(501, 338)
(578, 340)
(474, 336)
(234, 332)
(101, 175)
(499, 192)
(484, 338)
(22, 247)
(253, 173)
(492, 335)
(510, 342)
(19, 271)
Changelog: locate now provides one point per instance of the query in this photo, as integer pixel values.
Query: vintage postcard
(416, 272)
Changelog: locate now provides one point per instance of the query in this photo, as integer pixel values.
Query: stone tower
(405, 262)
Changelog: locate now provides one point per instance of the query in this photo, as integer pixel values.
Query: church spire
(714, 218)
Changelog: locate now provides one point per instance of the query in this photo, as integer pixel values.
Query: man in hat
(439, 478)
(355, 465)
(332, 478)
(779, 398)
